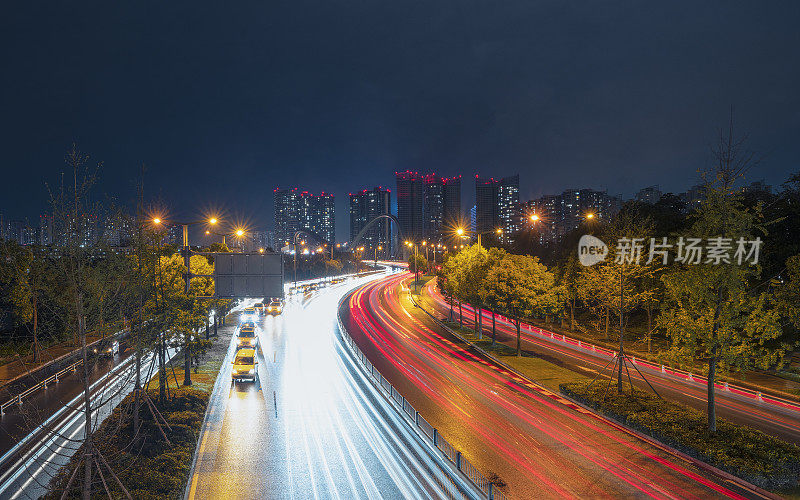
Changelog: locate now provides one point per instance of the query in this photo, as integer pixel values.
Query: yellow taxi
(247, 337)
(259, 307)
(275, 307)
(244, 365)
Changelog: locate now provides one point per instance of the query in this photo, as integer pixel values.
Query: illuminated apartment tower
(286, 215)
(316, 213)
(409, 204)
(441, 206)
(365, 206)
(497, 205)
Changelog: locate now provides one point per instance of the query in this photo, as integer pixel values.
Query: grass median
(756, 457)
(149, 466)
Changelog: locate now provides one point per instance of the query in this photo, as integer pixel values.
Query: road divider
(453, 460)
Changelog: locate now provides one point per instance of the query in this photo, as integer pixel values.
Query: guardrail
(683, 375)
(452, 456)
(52, 379)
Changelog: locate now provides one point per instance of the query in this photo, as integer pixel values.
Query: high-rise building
(497, 203)
(316, 213)
(693, 197)
(452, 203)
(261, 240)
(577, 204)
(286, 214)
(364, 207)
(409, 204)
(441, 206)
(119, 231)
(45, 229)
(473, 218)
(556, 215)
(650, 194)
(302, 210)
(432, 206)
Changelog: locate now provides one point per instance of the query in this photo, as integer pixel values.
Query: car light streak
(527, 428)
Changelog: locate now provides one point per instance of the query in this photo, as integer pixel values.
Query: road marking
(193, 488)
(275, 403)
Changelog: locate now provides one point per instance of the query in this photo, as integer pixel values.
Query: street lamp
(376, 253)
(416, 263)
(461, 232)
(186, 251)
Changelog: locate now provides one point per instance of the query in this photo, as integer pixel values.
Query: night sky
(224, 103)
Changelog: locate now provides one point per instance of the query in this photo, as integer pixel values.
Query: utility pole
(621, 347)
(187, 358)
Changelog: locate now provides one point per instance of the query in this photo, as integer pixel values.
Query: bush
(756, 457)
(149, 468)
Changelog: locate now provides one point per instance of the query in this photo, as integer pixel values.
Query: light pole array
(463, 233)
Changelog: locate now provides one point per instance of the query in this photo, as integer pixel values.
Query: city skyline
(555, 94)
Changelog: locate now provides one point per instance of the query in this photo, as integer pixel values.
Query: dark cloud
(223, 103)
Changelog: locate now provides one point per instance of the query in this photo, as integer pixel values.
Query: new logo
(591, 250)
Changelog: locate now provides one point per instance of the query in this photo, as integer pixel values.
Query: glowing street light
(212, 221)
(156, 221)
(590, 215)
(534, 218)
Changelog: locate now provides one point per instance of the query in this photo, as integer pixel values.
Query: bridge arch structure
(398, 234)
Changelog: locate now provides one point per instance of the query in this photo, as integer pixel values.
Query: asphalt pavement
(522, 435)
(779, 421)
(311, 426)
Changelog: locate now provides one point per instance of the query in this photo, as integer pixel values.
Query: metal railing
(685, 376)
(52, 379)
(451, 456)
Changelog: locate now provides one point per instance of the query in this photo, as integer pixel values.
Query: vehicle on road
(275, 307)
(244, 365)
(247, 337)
(259, 307)
(248, 313)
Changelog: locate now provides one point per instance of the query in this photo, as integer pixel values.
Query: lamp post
(464, 233)
(379, 247)
(416, 264)
(186, 251)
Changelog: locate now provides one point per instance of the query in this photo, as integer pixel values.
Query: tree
(788, 293)
(710, 313)
(418, 263)
(187, 314)
(521, 286)
(26, 276)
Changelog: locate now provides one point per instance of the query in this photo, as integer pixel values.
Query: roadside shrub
(756, 457)
(148, 467)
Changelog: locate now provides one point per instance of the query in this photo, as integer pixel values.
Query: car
(244, 365)
(248, 323)
(259, 307)
(275, 307)
(248, 313)
(248, 337)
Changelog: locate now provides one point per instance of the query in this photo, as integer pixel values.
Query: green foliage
(151, 468)
(750, 454)
(710, 312)
(788, 293)
(417, 262)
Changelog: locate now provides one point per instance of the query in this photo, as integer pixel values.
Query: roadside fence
(655, 368)
(52, 379)
(452, 457)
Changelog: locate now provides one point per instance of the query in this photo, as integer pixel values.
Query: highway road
(777, 420)
(39, 438)
(312, 426)
(523, 435)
